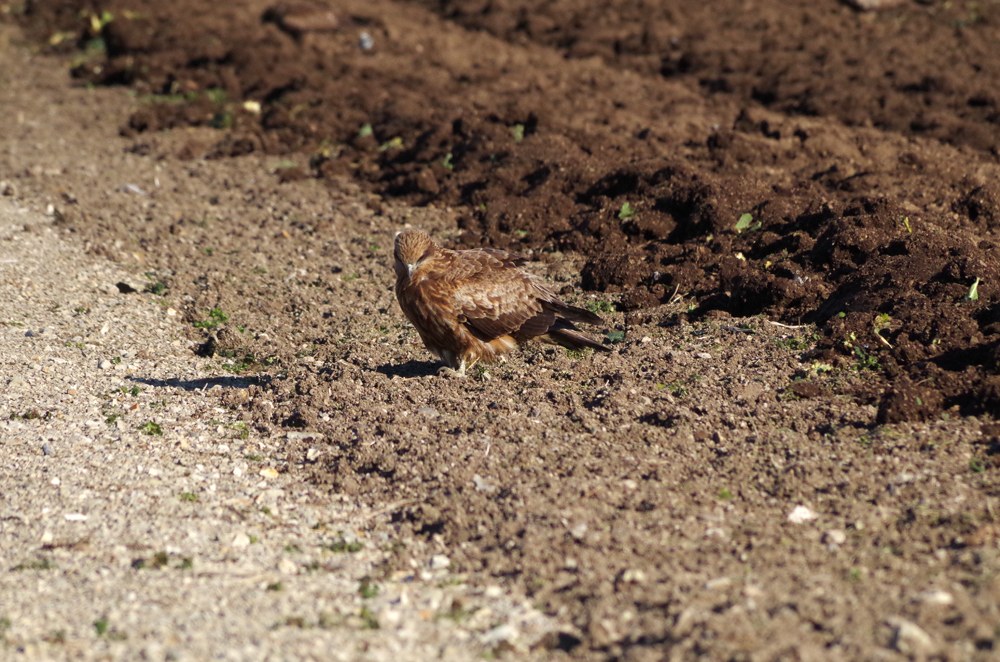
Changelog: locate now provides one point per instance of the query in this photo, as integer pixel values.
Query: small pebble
(910, 639)
(482, 485)
(240, 540)
(801, 515)
(429, 412)
(365, 42)
(47, 449)
(440, 562)
(834, 537)
(104, 365)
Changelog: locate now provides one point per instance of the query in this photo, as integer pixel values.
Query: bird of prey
(474, 306)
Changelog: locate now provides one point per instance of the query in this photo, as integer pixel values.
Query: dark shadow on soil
(202, 384)
(410, 369)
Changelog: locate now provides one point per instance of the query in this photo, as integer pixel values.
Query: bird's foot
(446, 371)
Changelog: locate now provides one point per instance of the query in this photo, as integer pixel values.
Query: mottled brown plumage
(475, 306)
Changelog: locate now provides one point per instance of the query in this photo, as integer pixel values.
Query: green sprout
(744, 224)
(973, 294)
(517, 131)
(627, 211)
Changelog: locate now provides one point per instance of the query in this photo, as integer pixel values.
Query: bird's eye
(427, 254)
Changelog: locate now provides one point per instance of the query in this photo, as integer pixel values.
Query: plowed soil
(787, 211)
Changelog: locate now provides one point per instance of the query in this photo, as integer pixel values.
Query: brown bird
(476, 305)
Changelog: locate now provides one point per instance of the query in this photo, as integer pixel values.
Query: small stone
(104, 365)
(237, 471)
(30, 334)
(834, 537)
(428, 412)
(646, 339)
(506, 632)
(910, 639)
(935, 596)
(312, 454)
(75, 517)
(171, 312)
(482, 485)
(801, 515)
(47, 449)
(717, 583)
(268, 472)
(633, 576)
(702, 355)
(579, 531)
(288, 567)
(439, 562)
(240, 540)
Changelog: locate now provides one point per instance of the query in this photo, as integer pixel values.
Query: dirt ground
(787, 212)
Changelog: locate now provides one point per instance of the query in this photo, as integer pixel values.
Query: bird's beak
(410, 268)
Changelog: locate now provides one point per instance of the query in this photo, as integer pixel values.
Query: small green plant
(865, 360)
(976, 466)
(446, 162)
(725, 494)
(597, 306)
(517, 132)
(216, 95)
(101, 626)
(973, 294)
(187, 496)
(369, 622)
(340, 545)
(42, 563)
(349, 277)
(366, 588)
(627, 211)
(276, 586)
(745, 224)
(395, 143)
(81, 310)
(906, 224)
(613, 337)
(156, 288)
(215, 318)
(150, 428)
(365, 131)
(252, 457)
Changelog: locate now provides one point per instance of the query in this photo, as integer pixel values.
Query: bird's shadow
(410, 369)
(201, 384)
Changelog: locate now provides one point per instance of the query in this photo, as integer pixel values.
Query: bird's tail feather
(574, 314)
(573, 340)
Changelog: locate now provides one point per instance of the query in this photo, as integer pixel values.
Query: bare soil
(696, 172)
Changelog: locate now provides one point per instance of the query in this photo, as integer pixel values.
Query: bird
(475, 306)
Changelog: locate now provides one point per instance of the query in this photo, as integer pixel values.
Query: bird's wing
(493, 298)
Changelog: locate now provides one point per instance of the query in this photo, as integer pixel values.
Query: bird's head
(412, 248)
